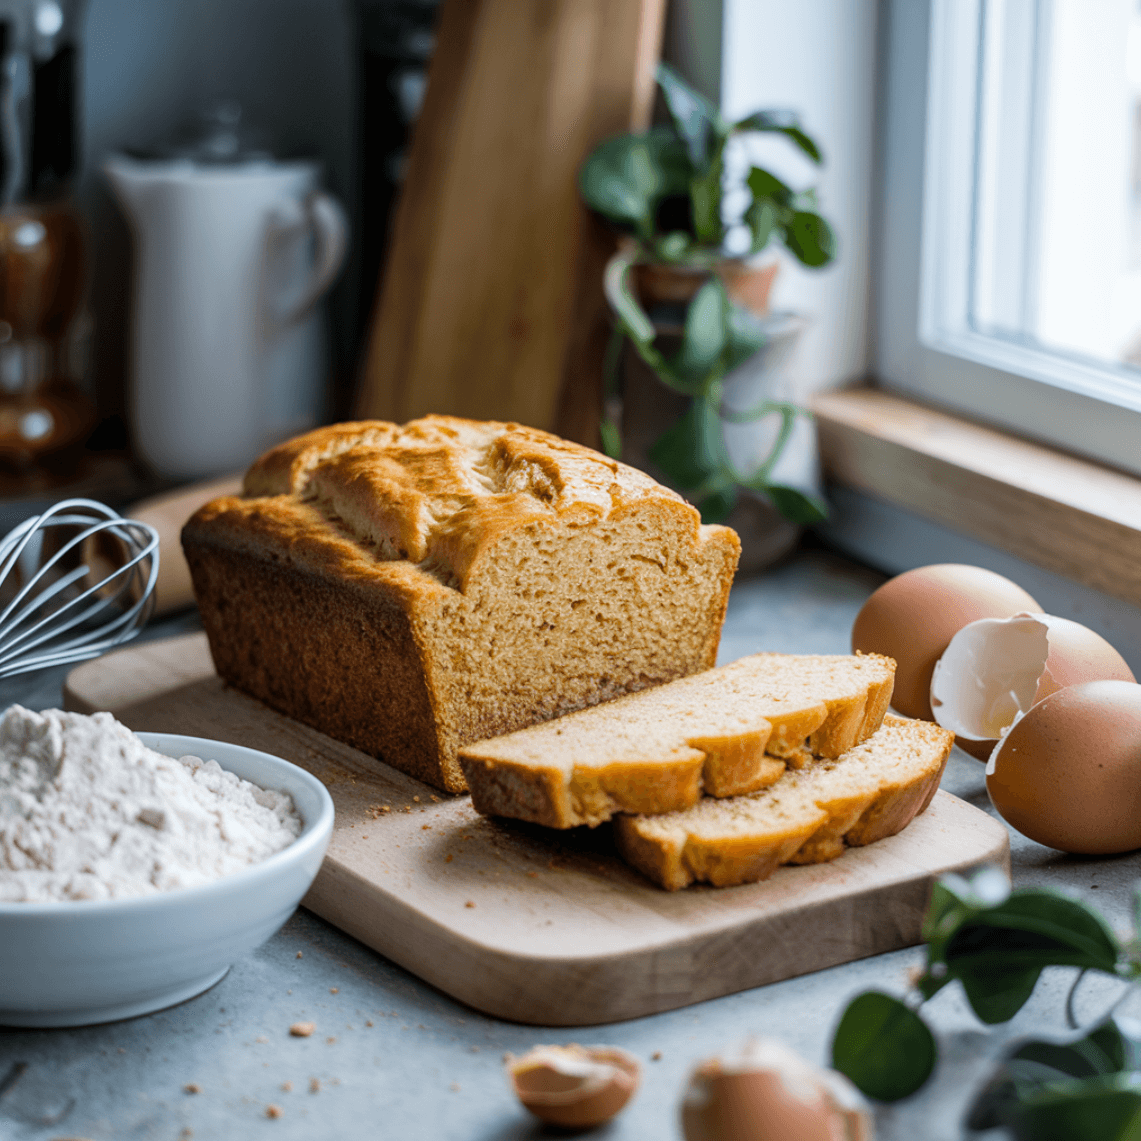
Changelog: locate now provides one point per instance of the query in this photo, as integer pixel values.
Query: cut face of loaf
(410, 589)
(727, 731)
(806, 817)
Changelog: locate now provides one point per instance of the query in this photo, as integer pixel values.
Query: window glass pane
(1056, 227)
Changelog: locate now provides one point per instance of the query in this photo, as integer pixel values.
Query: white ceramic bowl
(77, 962)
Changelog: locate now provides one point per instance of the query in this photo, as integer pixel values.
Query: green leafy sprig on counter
(996, 943)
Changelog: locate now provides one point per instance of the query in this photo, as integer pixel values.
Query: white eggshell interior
(988, 675)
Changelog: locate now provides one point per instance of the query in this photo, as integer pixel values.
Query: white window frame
(924, 344)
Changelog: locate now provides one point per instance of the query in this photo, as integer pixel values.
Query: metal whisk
(61, 612)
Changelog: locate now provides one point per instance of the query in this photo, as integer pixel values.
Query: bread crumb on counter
(334, 990)
(273, 1111)
(314, 1085)
(287, 1087)
(469, 904)
(299, 954)
(302, 1029)
(192, 1087)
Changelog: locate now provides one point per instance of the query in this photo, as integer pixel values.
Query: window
(1010, 274)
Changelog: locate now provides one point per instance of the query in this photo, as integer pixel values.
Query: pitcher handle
(331, 230)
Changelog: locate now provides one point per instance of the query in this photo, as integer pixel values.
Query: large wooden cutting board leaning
(491, 302)
(551, 930)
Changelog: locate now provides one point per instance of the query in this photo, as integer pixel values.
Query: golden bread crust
(496, 574)
(808, 816)
(725, 731)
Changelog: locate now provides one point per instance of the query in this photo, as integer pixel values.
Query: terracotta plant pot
(748, 285)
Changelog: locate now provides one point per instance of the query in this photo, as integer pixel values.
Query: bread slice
(408, 589)
(727, 731)
(808, 816)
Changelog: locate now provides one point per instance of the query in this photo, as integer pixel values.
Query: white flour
(87, 811)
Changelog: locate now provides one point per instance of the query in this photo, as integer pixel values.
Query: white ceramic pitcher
(228, 342)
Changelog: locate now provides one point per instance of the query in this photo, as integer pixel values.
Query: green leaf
(684, 452)
(625, 177)
(744, 337)
(1036, 927)
(784, 122)
(806, 144)
(706, 333)
(761, 218)
(997, 995)
(705, 196)
(697, 121)
(998, 951)
(767, 186)
(673, 247)
(810, 239)
(1103, 1051)
(1035, 1066)
(883, 1047)
(717, 506)
(616, 286)
(611, 438)
(1105, 1108)
(797, 506)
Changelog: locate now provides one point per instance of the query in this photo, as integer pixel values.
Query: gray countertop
(393, 1057)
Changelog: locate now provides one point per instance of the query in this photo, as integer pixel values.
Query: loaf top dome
(440, 492)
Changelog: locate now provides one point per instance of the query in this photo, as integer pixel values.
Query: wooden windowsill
(1069, 515)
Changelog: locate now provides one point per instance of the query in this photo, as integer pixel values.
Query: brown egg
(576, 1087)
(913, 616)
(1077, 655)
(767, 1092)
(1068, 774)
(996, 669)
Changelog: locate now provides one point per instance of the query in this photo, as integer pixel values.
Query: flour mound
(87, 811)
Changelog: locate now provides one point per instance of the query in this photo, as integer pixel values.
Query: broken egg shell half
(576, 1087)
(996, 669)
(765, 1091)
(913, 617)
(1068, 773)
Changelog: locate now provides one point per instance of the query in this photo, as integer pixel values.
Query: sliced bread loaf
(808, 816)
(727, 731)
(408, 589)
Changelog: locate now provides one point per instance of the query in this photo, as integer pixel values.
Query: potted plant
(665, 190)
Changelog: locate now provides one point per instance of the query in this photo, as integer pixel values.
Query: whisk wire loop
(48, 621)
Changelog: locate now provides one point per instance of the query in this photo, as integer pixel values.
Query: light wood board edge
(681, 949)
(613, 988)
(1068, 515)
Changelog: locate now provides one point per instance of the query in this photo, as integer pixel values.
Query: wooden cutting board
(539, 928)
(491, 303)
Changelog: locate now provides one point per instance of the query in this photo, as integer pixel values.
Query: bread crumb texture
(808, 816)
(724, 732)
(410, 589)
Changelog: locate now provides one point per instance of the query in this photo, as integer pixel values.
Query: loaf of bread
(726, 732)
(410, 589)
(808, 816)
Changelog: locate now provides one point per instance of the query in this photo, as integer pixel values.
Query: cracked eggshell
(1068, 773)
(995, 670)
(576, 1087)
(913, 617)
(765, 1091)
